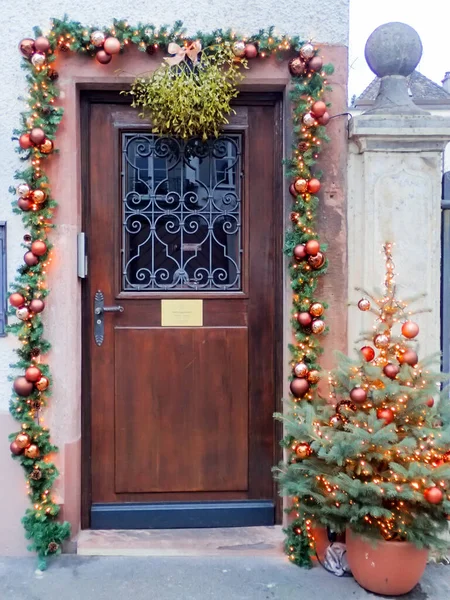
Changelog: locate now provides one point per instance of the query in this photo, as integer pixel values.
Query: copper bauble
(386, 414)
(433, 495)
(317, 261)
(24, 141)
(296, 66)
(16, 300)
(42, 384)
(358, 395)
(391, 371)
(336, 420)
(38, 196)
(292, 190)
(112, 45)
(37, 135)
(38, 59)
(300, 252)
(364, 304)
(313, 186)
(36, 305)
(301, 370)
(318, 326)
(299, 387)
(22, 387)
(52, 74)
(23, 440)
(46, 147)
(103, 57)
(316, 309)
(238, 48)
(251, 51)
(42, 44)
(23, 313)
(410, 329)
(315, 64)
(30, 259)
(319, 108)
(408, 357)
(381, 340)
(368, 353)
(32, 451)
(24, 204)
(38, 248)
(303, 450)
(33, 374)
(15, 449)
(312, 247)
(324, 119)
(301, 185)
(97, 38)
(307, 51)
(304, 319)
(23, 189)
(27, 47)
(309, 119)
(313, 376)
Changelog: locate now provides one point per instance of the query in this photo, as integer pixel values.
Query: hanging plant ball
(358, 395)
(42, 384)
(30, 259)
(313, 376)
(239, 49)
(408, 357)
(25, 141)
(251, 51)
(38, 196)
(304, 319)
(300, 252)
(386, 414)
(22, 387)
(33, 374)
(315, 64)
(23, 189)
(302, 450)
(324, 119)
(307, 51)
(23, 440)
(27, 47)
(97, 38)
(24, 204)
(32, 452)
(301, 370)
(313, 186)
(16, 300)
(368, 353)
(38, 248)
(430, 402)
(309, 120)
(37, 135)
(316, 309)
(23, 313)
(381, 341)
(364, 304)
(14, 448)
(46, 147)
(299, 387)
(112, 45)
(301, 185)
(38, 59)
(318, 326)
(391, 371)
(42, 44)
(433, 495)
(103, 57)
(317, 261)
(37, 305)
(410, 329)
(319, 108)
(312, 247)
(296, 67)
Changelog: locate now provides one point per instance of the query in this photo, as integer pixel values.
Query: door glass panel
(181, 213)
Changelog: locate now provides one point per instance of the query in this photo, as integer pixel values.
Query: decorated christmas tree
(373, 456)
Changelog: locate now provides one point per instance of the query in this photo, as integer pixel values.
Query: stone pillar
(395, 167)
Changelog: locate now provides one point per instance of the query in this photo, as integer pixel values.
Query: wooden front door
(181, 385)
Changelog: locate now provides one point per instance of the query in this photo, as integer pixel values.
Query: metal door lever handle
(102, 309)
(99, 311)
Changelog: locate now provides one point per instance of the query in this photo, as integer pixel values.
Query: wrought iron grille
(182, 213)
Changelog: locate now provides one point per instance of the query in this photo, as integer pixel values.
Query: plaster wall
(63, 317)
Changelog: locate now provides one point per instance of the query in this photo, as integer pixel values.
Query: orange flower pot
(387, 568)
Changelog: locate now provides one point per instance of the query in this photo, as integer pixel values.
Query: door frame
(257, 97)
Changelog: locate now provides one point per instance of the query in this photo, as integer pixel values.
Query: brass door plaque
(182, 313)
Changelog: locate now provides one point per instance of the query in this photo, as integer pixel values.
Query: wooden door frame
(258, 96)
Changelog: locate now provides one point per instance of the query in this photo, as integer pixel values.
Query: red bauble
(317, 261)
(408, 357)
(37, 305)
(38, 248)
(24, 141)
(315, 64)
(300, 252)
(30, 259)
(103, 57)
(112, 45)
(22, 387)
(251, 51)
(312, 247)
(368, 353)
(319, 108)
(324, 119)
(304, 319)
(430, 402)
(15, 449)
(410, 329)
(16, 300)
(42, 44)
(37, 135)
(313, 186)
(391, 371)
(24, 204)
(358, 395)
(299, 387)
(33, 374)
(386, 414)
(433, 495)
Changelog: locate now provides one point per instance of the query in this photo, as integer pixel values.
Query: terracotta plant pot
(389, 568)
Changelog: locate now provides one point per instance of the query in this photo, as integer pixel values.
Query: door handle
(99, 311)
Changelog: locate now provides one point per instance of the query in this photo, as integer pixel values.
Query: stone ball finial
(393, 49)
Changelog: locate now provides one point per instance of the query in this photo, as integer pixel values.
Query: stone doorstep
(228, 542)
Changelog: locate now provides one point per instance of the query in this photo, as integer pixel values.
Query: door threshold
(226, 541)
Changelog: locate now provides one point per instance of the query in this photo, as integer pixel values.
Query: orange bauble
(38, 248)
(312, 247)
(300, 185)
(313, 186)
(386, 414)
(433, 495)
(16, 300)
(33, 374)
(303, 450)
(42, 384)
(316, 309)
(430, 402)
(368, 353)
(314, 377)
(319, 108)
(23, 440)
(38, 196)
(410, 329)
